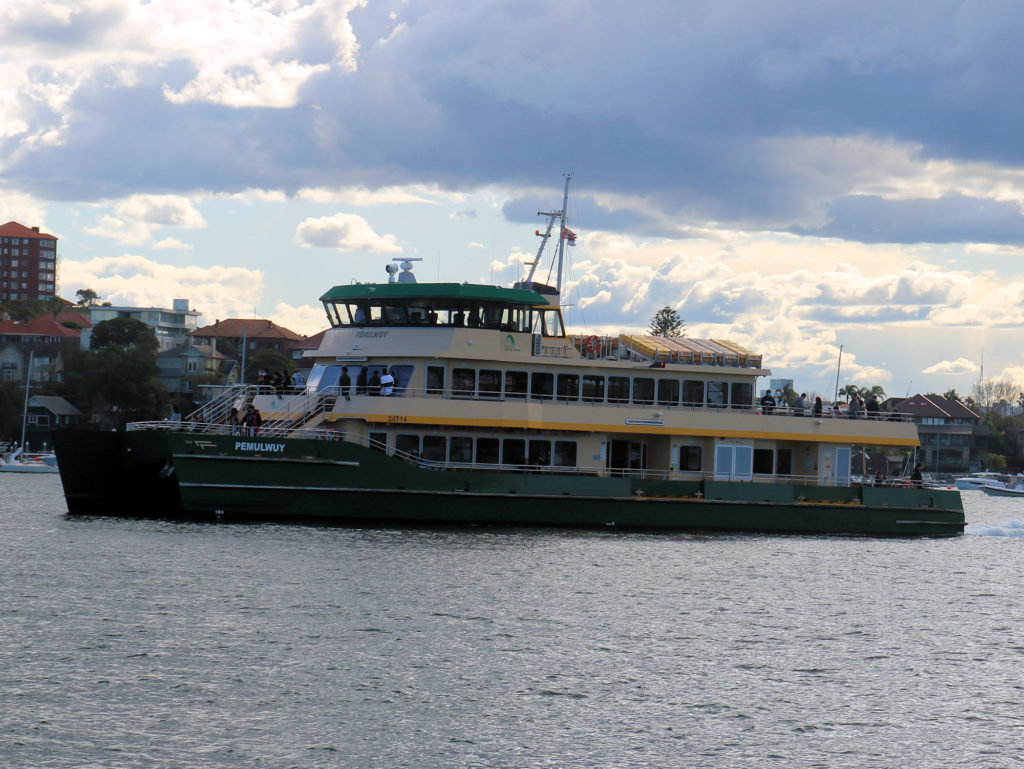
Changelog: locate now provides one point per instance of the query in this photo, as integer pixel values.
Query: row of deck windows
(591, 388)
(484, 451)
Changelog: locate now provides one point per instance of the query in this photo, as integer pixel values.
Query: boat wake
(1012, 528)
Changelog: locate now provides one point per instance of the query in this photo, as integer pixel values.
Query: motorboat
(19, 462)
(1013, 488)
(980, 480)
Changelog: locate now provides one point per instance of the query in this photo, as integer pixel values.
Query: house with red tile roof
(946, 428)
(259, 334)
(45, 339)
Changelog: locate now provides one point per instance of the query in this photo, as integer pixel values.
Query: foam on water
(1011, 528)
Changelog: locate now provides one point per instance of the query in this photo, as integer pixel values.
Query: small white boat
(982, 480)
(16, 462)
(1013, 488)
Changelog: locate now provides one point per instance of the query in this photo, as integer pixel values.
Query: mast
(562, 234)
(839, 365)
(28, 386)
(561, 218)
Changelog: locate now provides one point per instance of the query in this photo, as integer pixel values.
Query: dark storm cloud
(702, 110)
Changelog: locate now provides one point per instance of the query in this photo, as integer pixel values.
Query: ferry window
(643, 391)
(540, 453)
(513, 451)
(693, 392)
(515, 384)
(314, 376)
(717, 393)
(402, 375)
(542, 385)
(668, 392)
(565, 453)
(742, 396)
(487, 451)
(378, 441)
(463, 382)
(764, 461)
(433, 448)
(618, 389)
(395, 314)
(407, 445)
(568, 387)
(435, 380)
(593, 388)
(689, 457)
(376, 315)
(328, 377)
(460, 450)
(490, 383)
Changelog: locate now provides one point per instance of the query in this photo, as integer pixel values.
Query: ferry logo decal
(510, 343)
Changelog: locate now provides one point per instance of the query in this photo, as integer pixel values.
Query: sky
(802, 178)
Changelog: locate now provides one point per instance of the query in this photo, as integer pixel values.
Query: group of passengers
(857, 408)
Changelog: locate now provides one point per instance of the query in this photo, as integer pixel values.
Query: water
(128, 643)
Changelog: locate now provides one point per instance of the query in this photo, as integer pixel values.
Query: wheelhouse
(454, 305)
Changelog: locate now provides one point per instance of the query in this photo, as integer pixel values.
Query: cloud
(306, 319)
(217, 292)
(172, 243)
(345, 232)
(953, 367)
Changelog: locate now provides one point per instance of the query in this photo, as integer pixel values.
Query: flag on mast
(569, 235)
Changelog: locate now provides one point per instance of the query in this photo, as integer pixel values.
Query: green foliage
(86, 297)
(31, 308)
(125, 333)
(864, 392)
(666, 322)
(995, 462)
(12, 403)
(270, 360)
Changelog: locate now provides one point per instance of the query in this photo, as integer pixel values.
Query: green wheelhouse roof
(439, 291)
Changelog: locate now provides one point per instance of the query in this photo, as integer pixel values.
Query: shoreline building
(172, 326)
(28, 263)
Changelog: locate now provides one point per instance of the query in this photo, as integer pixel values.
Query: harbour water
(137, 643)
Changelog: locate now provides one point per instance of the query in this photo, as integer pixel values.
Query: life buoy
(592, 345)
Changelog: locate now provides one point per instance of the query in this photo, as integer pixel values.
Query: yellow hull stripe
(516, 424)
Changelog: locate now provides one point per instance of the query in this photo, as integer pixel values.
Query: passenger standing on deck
(233, 420)
(767, 402)
(799, 404)
(345, 382)
(298, 380)
(387, 383)
(853, 411)
(871, 407)
(915, 477)
(374, 386)
(816, 411)
(361, 381)
(253, 419)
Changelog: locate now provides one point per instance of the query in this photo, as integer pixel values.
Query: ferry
(466, 404)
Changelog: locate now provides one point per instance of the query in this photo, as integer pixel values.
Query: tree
(989, 392)
(86, 297)
(126, 333)
(666, 322)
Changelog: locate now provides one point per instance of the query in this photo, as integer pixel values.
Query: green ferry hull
(180, 474)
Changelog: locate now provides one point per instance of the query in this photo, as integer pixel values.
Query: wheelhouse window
(593, 388)
(463, 382)
(542, 385)
(515, 384)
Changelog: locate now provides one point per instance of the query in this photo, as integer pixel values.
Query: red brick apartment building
(28, 263)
